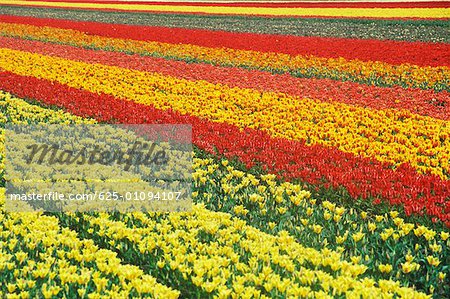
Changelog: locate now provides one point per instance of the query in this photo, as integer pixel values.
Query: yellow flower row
(271, 195)
(411, 75)
(34, 248)
(361, 237)
(387, 135)
(273, 11)
(17, 111)
(273, 263)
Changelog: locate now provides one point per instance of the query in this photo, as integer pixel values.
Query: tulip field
(321, 147)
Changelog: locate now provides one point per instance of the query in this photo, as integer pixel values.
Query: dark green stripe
(410, 30)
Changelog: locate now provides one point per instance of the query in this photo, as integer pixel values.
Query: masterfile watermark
(66, 168)
(102, 196)
(141, 153)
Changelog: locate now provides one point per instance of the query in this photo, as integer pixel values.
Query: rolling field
(320, 147)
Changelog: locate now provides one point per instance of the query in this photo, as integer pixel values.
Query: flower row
(268, 205)
(390, 52)
(368, 72)
(289, 4)
(39, 258)
(386, 244)
(220, 269)
(411, 31)
(361, 177)
(415, 12)
(422, 102)
(390, 136)
(226, 257)
(325, 167)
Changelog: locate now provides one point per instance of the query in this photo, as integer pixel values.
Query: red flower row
(393, 52)
(419, 101)
(423, 4)
(290, 159)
